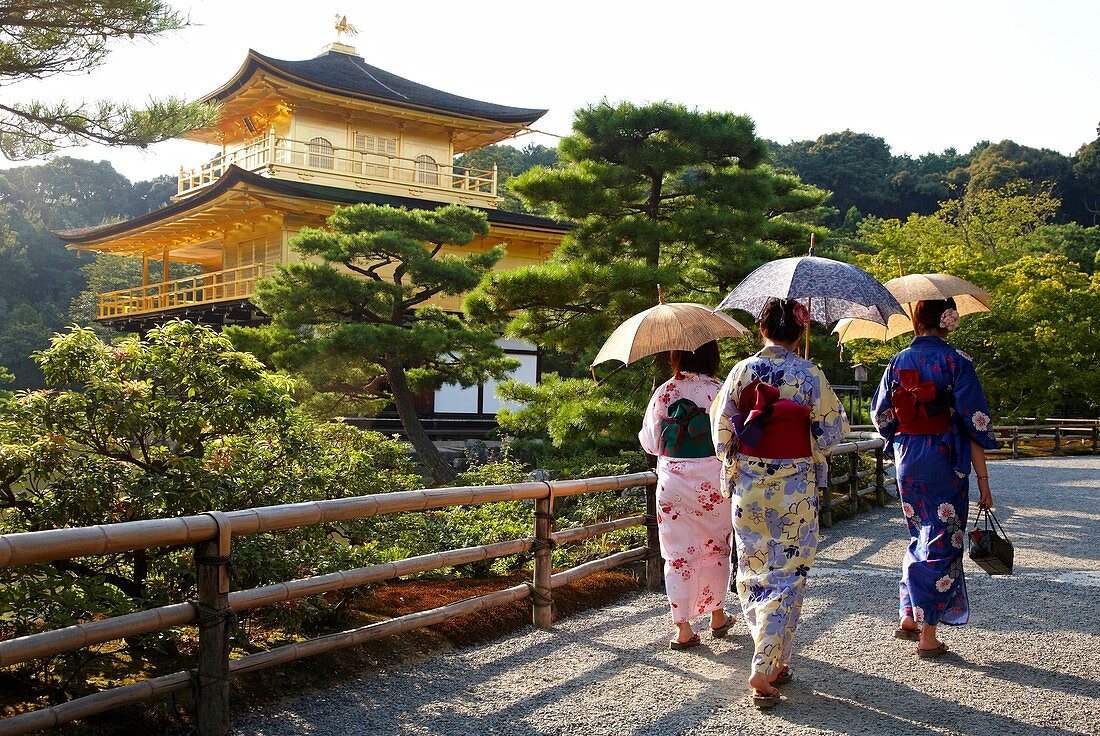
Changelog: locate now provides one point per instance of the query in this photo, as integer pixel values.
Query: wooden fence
(1037, 439)
(860, 465)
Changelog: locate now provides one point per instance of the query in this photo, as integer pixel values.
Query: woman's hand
(986, 500)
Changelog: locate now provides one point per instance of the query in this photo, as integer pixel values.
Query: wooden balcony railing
(359, 167)
(215, 286)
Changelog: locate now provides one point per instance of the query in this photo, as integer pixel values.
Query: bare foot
(683, 633)
(761, 686)
(928, 640)
(909, 624)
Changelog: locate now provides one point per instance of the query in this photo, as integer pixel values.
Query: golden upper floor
(337, 121)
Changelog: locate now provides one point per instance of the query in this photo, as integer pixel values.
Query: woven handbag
(989, 545)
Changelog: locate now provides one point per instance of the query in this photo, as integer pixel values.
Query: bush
(172, 424)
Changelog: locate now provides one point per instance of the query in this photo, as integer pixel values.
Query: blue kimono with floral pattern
(933, 477)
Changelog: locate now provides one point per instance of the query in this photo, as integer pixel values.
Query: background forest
(886, 212)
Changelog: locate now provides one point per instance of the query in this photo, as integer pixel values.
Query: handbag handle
(990, 516)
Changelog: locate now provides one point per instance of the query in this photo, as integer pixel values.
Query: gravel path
(1027, 664)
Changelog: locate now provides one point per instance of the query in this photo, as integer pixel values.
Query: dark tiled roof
(236, 175)
(342, 73)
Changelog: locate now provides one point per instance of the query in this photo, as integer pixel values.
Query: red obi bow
(770, 426)
(909, 394)
(919, 405)
(756, 400)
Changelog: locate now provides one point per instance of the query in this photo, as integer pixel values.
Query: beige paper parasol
(674, 326)
(909, 290)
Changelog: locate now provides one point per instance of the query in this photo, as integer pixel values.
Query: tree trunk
(403, 399)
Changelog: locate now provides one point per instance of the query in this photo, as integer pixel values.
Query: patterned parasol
(831, 289)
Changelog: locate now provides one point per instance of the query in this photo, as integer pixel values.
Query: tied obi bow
(686, 431)
(916, 401)
(755, 405)
(769, 426)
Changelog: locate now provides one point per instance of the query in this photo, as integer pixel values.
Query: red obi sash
(921, 408)
(771, 427)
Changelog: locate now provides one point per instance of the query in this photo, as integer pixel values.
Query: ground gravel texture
(1027, 663)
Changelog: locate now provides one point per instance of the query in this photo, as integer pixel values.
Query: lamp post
(859, 372)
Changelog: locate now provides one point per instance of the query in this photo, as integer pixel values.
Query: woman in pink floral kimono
(693, 518)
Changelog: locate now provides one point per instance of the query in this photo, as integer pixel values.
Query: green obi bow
(686, 432)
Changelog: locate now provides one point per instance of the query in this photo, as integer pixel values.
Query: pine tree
(43, 38)
(368, 302)
(662, 195)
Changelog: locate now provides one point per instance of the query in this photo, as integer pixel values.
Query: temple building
(294, 140)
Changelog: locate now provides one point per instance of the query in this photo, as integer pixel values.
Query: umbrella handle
(809, 304)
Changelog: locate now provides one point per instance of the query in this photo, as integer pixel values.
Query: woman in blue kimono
(930, 405)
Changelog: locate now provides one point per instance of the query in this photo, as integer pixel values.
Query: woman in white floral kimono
(931, 409)
(772, 422)
(693, 518)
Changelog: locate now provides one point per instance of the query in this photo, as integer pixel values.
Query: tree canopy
(861, 173)
(40, 39)
(368, 301)
(1036, 352)
(39, 277)
(661, 195)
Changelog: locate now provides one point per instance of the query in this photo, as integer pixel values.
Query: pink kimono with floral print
(693, 517)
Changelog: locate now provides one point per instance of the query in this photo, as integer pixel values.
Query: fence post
(880, 477)
(1095, 436)
(827, 496)
(654, 562)
(542, 602)
(853, 480)
(1015, 443)
(215, 618)
(1057, 440)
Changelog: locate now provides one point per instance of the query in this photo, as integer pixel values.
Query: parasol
(910, 289)
(674, 326)
(832, 290)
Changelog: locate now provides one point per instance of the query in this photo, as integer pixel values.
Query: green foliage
(510, 162)
(576, 411)
(662, 195)
(41, 278)
(173, 424)
(327, 386)
(366, 304)
(860, 172)
(855, 167)
(43, 38)
(1036, 351)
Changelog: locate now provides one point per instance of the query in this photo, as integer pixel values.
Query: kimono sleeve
(650, 434)
(828, 422)
(971, 406)
(722, 411)
(882, 406)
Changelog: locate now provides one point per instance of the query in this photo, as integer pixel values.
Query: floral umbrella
(832, 290)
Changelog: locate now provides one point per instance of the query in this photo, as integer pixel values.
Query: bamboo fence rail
(211, 535)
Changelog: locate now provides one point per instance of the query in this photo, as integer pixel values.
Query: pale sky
(925, 76)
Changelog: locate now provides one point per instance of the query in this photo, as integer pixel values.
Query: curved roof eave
(235, 175)
(361, 80)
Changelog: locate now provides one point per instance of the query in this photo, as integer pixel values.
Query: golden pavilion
(294, 140)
